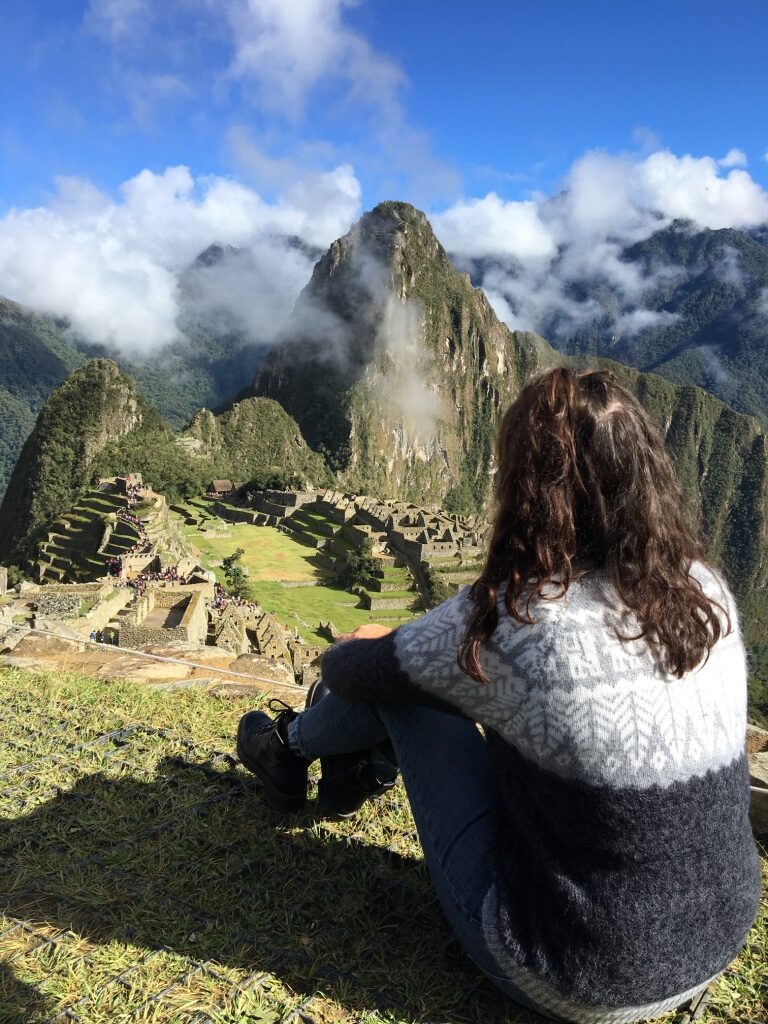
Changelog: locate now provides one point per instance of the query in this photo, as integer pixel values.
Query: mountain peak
(399, 212)
(388, 357)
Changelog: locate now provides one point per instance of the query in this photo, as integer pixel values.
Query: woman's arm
(378, 665)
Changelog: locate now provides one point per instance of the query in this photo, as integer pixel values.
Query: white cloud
(640, 319)
(712, 364)
(285, 48)
(401, 331)
(110, 266)
(734, 158)
(727, 268)
(492, 227)
(692, 188)
(117, 20)
(646, 139)
(295, 62)
(533, 251)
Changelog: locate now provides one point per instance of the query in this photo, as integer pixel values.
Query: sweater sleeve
(390, 670)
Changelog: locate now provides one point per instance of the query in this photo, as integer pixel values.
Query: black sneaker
(262, 746)
(348, 780)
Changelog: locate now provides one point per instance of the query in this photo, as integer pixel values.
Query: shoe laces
(279, 706)
(283, 713)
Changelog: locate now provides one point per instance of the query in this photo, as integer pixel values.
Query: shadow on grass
(18, 1001)
(193, 864)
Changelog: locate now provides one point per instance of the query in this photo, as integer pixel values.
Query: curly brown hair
(584, 482)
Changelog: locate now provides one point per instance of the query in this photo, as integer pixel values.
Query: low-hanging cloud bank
(528, 254)
(112, 266)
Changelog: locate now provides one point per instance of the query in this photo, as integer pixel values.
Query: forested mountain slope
(97, 424)
(702, 319)
(35, 357)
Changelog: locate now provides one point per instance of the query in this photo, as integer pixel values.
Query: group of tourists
(222, 600)
(100, 636)
(134, 492)
(143, 543)
(168, 575)
(128, 517)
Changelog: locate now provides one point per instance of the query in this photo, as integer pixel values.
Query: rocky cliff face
(95, 406)
(395, 367)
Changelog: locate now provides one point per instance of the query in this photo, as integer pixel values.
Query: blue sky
(498, 95)
(546, 136)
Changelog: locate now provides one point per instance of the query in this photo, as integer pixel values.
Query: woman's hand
(370, 631)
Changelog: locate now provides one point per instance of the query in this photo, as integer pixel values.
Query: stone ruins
(142, 589)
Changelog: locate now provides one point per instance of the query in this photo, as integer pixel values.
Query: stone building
(219, 488)
(161, 616)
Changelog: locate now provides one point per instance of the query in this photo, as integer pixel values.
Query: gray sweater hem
(551, 1000)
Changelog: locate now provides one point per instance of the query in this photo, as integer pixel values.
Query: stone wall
(417, 552)
(231, 635)
(98, 617)
(375, 603)
(336, 513)
(359, 533)
(93, 621)
(106, 535)
(58, 606)
(192, 628)
(85, 590)
(233, 514)
(289, 499)
(3, 580)
(135, 564)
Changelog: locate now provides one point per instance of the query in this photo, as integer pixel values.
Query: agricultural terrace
(273, 558)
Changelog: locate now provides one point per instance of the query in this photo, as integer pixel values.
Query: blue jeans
(444, 765)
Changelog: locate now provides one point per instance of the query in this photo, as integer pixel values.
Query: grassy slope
(271, 556)
(157, 857)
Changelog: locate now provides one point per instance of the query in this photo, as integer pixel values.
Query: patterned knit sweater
(626, 875)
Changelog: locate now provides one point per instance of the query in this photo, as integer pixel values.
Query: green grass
(145, 880)
(271, 556)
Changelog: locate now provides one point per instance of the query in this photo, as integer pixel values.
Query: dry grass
(145, 880)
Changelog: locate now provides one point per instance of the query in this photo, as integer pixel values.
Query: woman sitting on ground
(591, 847)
